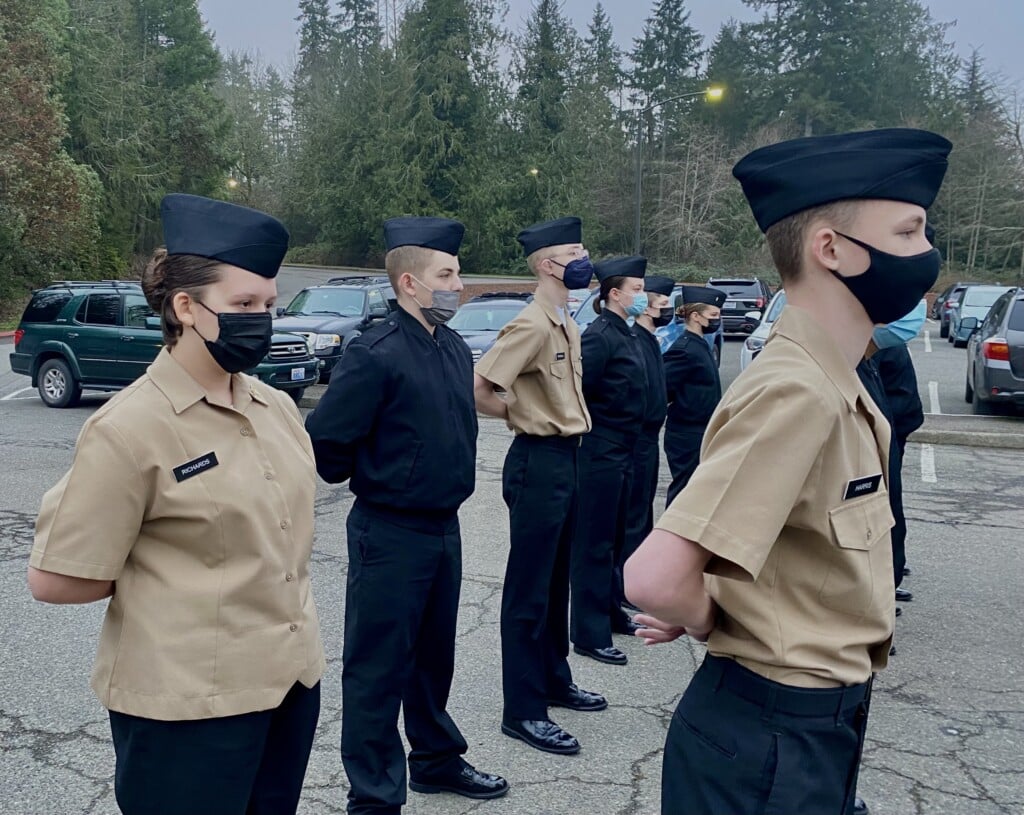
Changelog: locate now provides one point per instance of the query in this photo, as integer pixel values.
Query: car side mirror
(378, 312)
(753, 315)
(279, 311)
(970, 324)
(153, 323)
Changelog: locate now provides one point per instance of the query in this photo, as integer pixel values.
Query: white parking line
(928, 464)
(927, 341)
(933, 398)
(15, 393)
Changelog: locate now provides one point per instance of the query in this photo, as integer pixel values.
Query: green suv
(103, 335)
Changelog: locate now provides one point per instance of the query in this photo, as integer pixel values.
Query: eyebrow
(913, 220)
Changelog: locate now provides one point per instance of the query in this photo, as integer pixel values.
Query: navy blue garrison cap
(632, 266)
(551, 233)
(659, 285)
(703, 294)
(897, 164)
(442, 234)
(243, 237)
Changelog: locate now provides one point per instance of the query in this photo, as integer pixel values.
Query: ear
(406, 284)
(824, 248)
(182, 304)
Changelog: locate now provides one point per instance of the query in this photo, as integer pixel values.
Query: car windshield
(737, 288)
(777, 305)
(982, 297)
(339, 302)
(472, 317)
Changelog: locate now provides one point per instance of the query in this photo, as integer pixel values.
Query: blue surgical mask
(903, 330)
(638, 306)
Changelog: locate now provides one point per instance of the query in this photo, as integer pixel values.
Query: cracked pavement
(947, 725)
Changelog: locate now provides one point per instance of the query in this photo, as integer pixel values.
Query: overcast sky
(994, 26)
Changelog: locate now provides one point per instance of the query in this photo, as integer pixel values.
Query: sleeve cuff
(729, 558)
(72, 568)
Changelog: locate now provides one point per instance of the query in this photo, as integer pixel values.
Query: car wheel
(296, 394)
(968, 391)
(944, 330)
(57, 386)
(981, 407)
(959, 344)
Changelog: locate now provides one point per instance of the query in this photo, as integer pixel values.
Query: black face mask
(243, 341)
(711, 327)
(893, 284)
(665, 316)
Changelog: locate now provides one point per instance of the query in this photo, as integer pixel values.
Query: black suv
(332, 315)
(479, 320)
(102, 335)
(743, 296)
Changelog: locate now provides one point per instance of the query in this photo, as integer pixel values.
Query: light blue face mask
(903, 330)
(638, 306)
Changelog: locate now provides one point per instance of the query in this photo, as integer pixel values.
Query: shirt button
(869, 534)
(268, 476)
(245, 431)
(289, 577)
(293, 627)
(284, 524)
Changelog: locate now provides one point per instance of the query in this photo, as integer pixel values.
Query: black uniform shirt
(657, 394)
(614, 378)
(693, 385)
(399, 419)
(896, 370)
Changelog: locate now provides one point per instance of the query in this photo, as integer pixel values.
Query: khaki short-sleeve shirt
(790, 498)
(203, 516)
(537, 359)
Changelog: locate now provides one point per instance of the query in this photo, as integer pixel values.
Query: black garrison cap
(898, 164)
(703, 294)
(243, 237)
(551, 233)
(442, 234)
(632, 266)
(659, 285)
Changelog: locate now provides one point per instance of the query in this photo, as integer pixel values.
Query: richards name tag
(195, 467)
(862, 486)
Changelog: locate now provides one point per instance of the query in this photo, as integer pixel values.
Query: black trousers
(682, 450)
(539, 487)
(250, 764)
(640, 505)
(740, 744)
(401, 609)
(899, 530)
(604, 483)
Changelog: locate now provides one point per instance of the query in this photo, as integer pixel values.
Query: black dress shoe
(469, 782)
(576, 699)
(904, 596)
(610, 655)
(892, 650)
(899, 611)
(543, 734)
(906, 571)
(625, 626)
(859, 807)
(631, 608)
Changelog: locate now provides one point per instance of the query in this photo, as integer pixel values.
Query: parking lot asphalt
(947, 726)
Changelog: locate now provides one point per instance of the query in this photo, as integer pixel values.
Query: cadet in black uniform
(694, 387)
(646, 458)
(615, 387)
(399, 420)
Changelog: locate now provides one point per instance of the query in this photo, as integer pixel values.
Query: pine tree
(667, 56)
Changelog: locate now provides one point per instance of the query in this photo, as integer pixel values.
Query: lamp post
(712, 94)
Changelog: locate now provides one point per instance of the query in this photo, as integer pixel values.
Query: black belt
(774, 696)
(562, 442)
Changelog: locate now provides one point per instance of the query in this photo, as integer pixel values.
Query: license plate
(731, 304)
(298, 374)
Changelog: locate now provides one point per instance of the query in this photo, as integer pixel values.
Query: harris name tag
(862, 486)
(195, 466)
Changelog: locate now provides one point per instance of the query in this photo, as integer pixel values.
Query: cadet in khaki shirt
(536, 360)
(777, 552)
(190, 504)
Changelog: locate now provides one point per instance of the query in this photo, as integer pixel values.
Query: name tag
(862, 486)
(559, 355)
(195, 467)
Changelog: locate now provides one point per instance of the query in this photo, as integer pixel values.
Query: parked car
(479, 320)
(331, 315)
(576, 299)
(975, 301)
(744, 303)
(754, 344)
(995, 355)
(945, 302)
(666, 335)
(101, 336)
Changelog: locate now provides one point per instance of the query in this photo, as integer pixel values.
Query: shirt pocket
(852, 583)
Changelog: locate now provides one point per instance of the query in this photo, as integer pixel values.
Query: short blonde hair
(402, 260)
(786, 238)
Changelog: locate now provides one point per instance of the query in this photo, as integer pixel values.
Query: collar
(182, 391)
(615, 320)
(550, 309)
(798, 326)
(409, 321)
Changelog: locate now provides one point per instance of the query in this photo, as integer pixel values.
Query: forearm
(61, 589)
(665, 577)
(487, 401)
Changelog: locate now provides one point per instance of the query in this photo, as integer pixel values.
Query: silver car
(753, 344)
(995, 356)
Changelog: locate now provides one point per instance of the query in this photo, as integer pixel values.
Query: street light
(713, 93)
